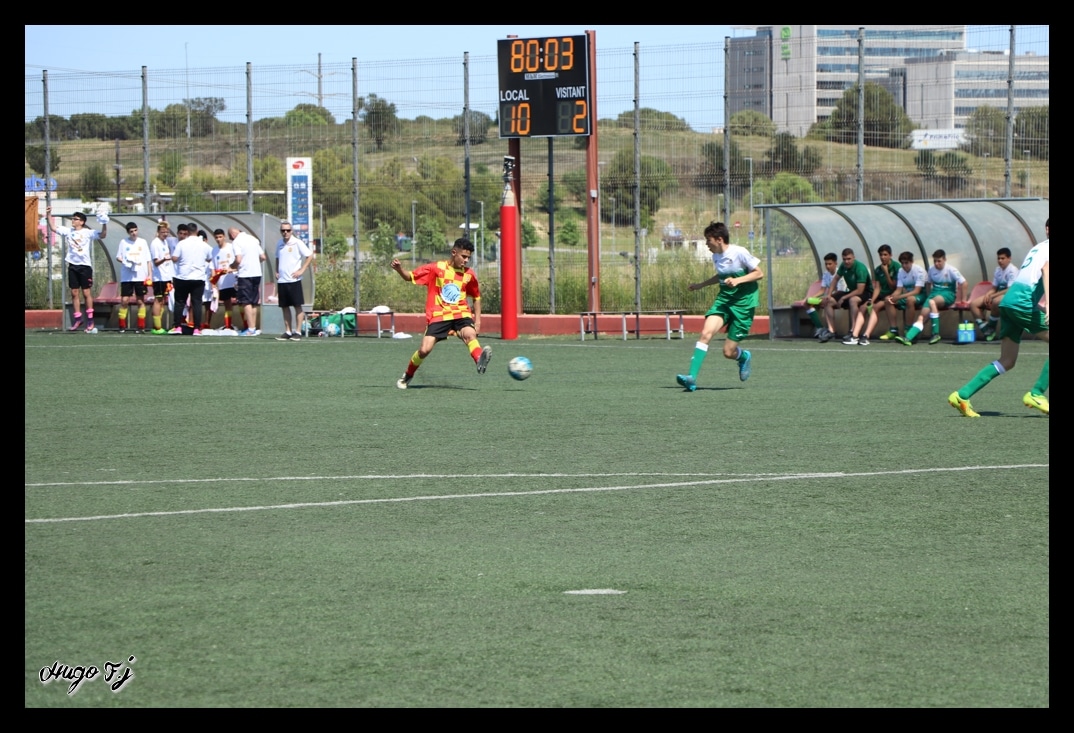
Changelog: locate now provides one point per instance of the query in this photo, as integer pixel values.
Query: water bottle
(306, 327)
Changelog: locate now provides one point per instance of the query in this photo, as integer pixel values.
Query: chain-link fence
(393, 168)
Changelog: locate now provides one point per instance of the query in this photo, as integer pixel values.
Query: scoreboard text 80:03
(544, 86)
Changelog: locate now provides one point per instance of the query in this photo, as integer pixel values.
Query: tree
(569, 235)
(383, 240)
(652, 119)
(710, 172)
(203, 112)
(786, 188)
(542, 198)
(657, 179)
(783, 155)
(309, 115)
(752, 122)
(479, 128)
(430, 241)
(986, 131)
(574, 183)
(171, 167)
(58, 128)
(529, 235)
(35, 158)
(1031, 130)
(886, 124)
(94, 182)
(379, 116)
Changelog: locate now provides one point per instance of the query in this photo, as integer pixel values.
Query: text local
(522, 95)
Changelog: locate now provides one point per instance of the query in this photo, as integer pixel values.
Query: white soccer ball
(520, 368)
(332, 329)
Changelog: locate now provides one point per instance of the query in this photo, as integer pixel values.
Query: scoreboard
(544, 87)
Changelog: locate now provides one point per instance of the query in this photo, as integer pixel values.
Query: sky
(126, 48)
(109, 47)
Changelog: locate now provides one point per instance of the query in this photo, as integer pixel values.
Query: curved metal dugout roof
(968, 230)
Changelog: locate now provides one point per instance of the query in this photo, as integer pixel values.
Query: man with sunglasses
(293, 256)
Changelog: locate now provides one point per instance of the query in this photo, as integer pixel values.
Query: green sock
(815, 317)
(978, 383)
(912, 334)
(935, 321)
(695, 362)
(1042, 381)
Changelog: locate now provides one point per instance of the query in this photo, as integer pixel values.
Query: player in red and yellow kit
(447, 312)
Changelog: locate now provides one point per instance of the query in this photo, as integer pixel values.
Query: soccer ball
(332, 329)
(520, 368)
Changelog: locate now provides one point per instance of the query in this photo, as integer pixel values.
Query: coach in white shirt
(190, 255)
(293, 256)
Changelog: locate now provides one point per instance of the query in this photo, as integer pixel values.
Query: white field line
(498, 494)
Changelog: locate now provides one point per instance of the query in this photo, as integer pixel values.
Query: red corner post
(510, 264)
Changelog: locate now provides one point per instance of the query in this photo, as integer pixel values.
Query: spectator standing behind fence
(163, 272)
(248, 258)
(1020, 311)
(79, 240)
(859, 289)
(1002, 277)
(190, 256)
(293, 256)
(944, 287)
(225, 277)
(737, 273)
(885, 281)
(135, 276)
(447, 312)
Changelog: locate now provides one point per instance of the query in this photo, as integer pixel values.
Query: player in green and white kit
(737, 273)
(1020, 311)
(946, 286)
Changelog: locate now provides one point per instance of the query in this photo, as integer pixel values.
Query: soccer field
(267, 524)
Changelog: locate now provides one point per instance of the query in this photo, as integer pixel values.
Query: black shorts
(137, 289)
(290, 294)
(160, 289)
(227, 295)
(249, 290)
(442, 329)
(79, 277)
(865, 297)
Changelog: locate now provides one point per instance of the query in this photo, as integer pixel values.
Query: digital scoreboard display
(544, 86)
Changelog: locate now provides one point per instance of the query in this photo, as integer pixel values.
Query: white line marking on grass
(543, 492)
(595, 592)
(372, 476)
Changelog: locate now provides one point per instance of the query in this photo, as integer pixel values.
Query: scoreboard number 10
(544, 86)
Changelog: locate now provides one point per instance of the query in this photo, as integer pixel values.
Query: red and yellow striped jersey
(448, 290)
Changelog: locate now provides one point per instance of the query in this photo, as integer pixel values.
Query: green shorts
(1013, 323)
(947, 298)
(919, 300)
(737, 318)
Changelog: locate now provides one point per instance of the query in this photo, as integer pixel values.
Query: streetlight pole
(984, 173)
(413, 233)
(751, 234)
(1029, 188)
(482, 231)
